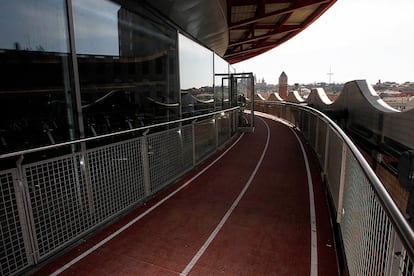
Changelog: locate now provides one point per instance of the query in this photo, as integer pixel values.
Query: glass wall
(221, 83)
(196, 77)
(127, 67)
(35, 88)
(127, 60)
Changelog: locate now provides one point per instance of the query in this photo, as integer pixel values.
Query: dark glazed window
(35, 90)
(125, 59)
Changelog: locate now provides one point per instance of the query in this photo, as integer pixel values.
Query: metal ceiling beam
(254, 2)
(278, 30)
(301, 5)
(247, 45)
(261, 47)
(258, 26)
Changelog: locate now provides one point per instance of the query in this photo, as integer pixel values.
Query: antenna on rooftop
(330, 73)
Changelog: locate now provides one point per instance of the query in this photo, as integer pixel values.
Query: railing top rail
(88, 139)
(403, 229)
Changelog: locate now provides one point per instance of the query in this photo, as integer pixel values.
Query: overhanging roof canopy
(256, 26)
(241, 29)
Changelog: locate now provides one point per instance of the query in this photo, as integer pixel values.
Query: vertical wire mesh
(116, 178)
(366, 229)
(406, 266)
(371, 244)
(204, 138)
(12, 249)
(187, 146)
(70, 195)
(322, 129)
(223, 129)
(312, 130)
(58, 201)
(233, 121)
(166, 157)
(296, 116)
(334, 166)
(287, 114)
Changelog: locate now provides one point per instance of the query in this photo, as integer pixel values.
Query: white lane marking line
(314, 236)
(206, 244)
(123, 228)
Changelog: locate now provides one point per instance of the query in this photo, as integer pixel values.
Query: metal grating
(166, 156)
(371, 244)
(305, 124)
(366, 230)
(312, 130)
(333, 169)
(54, 202)
(204, 138)
(58, 202)
(223, 129)
(12, 249)
(405, 267)
(320, 146)
(116, 178)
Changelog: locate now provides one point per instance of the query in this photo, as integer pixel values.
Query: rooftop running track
(256, 208)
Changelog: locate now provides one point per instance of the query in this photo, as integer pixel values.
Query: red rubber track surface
(268, 233)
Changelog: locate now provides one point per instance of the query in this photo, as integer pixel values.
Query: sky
(354, 39)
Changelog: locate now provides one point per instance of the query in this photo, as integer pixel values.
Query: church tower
(283, 85)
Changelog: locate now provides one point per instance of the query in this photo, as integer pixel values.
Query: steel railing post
(342, 179)
(25, 214)
(216, 130)
(145, 164)
(194, 142)
(316, 136)
(229, 132)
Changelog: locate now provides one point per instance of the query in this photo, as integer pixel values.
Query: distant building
(283, 85)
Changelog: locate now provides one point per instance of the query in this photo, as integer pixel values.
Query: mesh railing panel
(116, 178)
(187, 138)
(371, 243)
(312, 131)
(333, 168)
(12, 248)
(58, 202)
(233, 120)
(405, 266)
(366, 230)
(223, 129)
(166, 156)
(320, 146)
(62, 199)
(204, 138)
(304, 124)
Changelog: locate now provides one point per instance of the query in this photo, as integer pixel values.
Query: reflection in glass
(35, 90)
(221, 83)
(196, 77)
(127, 67)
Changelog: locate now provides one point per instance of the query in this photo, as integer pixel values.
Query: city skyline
(370, 40)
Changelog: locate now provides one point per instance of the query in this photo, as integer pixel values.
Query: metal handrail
(403, 229)
(88, 139)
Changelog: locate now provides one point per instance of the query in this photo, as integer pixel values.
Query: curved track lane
(246, 214)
